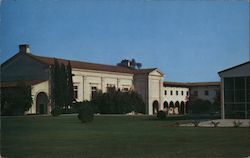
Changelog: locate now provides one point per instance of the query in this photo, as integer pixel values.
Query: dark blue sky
(188, 41)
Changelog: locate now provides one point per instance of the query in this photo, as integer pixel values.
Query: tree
(130, 64)
(62, 85)
(56, 93)
(70, 97)
(16, 100)
(117, 102)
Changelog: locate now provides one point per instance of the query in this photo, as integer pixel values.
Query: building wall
(174, 97)
(235, 96)
(35, 90)
(155, 91)
(201, 90)
(85, 79)
(23, 68)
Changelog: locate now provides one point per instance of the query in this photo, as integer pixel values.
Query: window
(75, 92)
(187, 93)
(176, 92)
(181, 92)
(125, 89)
(110, 87)
(93, 92)
(165, 92)
(206, 92)
(171, 92)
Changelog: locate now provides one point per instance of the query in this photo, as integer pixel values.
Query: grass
(117, 136)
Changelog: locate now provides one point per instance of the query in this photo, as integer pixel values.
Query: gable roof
(82, 65)
(248, 62)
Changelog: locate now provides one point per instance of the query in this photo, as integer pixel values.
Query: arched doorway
(155, 107)
(177, 107)
(171, 108)
(182, 108)
(41, 103)
(165, 105)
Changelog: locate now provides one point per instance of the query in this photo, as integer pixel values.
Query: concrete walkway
(222, 123)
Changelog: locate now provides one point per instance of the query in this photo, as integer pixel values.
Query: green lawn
(117, 136)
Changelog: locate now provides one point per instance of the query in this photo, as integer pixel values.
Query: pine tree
(56, 83)
(63, 85)
(70, 90)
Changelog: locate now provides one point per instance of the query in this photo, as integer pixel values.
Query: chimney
(24, 48)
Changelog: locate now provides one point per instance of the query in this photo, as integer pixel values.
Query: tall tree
(56, 95)
(63, 85)
(70, 90)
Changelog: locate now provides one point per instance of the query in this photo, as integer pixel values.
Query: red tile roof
(191, 84)
(91, 66)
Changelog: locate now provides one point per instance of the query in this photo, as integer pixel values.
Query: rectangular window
(181, 92)
(206, 92)
(176, 92)
(125, 89)
(187, 93)
(110, 87)
(93, 92)
(171, 92)
(165, 92)
(75, 92)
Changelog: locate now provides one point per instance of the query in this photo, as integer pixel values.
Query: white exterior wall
(212, 91)
(155, 90)
(174, 98)
(85, 79)
(35, 90)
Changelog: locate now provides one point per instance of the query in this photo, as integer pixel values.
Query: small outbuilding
(235, 92)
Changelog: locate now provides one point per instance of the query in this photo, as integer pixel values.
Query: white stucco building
(176, 96)
(235, 92)
(88, 78)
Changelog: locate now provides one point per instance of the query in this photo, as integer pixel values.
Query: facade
(87, 79)
(235, 91)
(178, 94)
(205, 90)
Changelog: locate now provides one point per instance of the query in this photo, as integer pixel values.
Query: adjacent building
(235, 91)
(178, 94)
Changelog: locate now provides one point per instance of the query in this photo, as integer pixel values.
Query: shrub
(118, 102)
(56, 111)
(237, 123)
(196, 123)
(86, 113)
(215, 124)
(161, 115)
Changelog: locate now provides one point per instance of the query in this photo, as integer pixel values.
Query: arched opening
(155, 107)
(41, 103)
(165, 105)
(176, 107)
(171, 104)
(171, 108)
(182, 108)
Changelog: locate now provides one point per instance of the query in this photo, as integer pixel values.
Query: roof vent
(24, 48)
